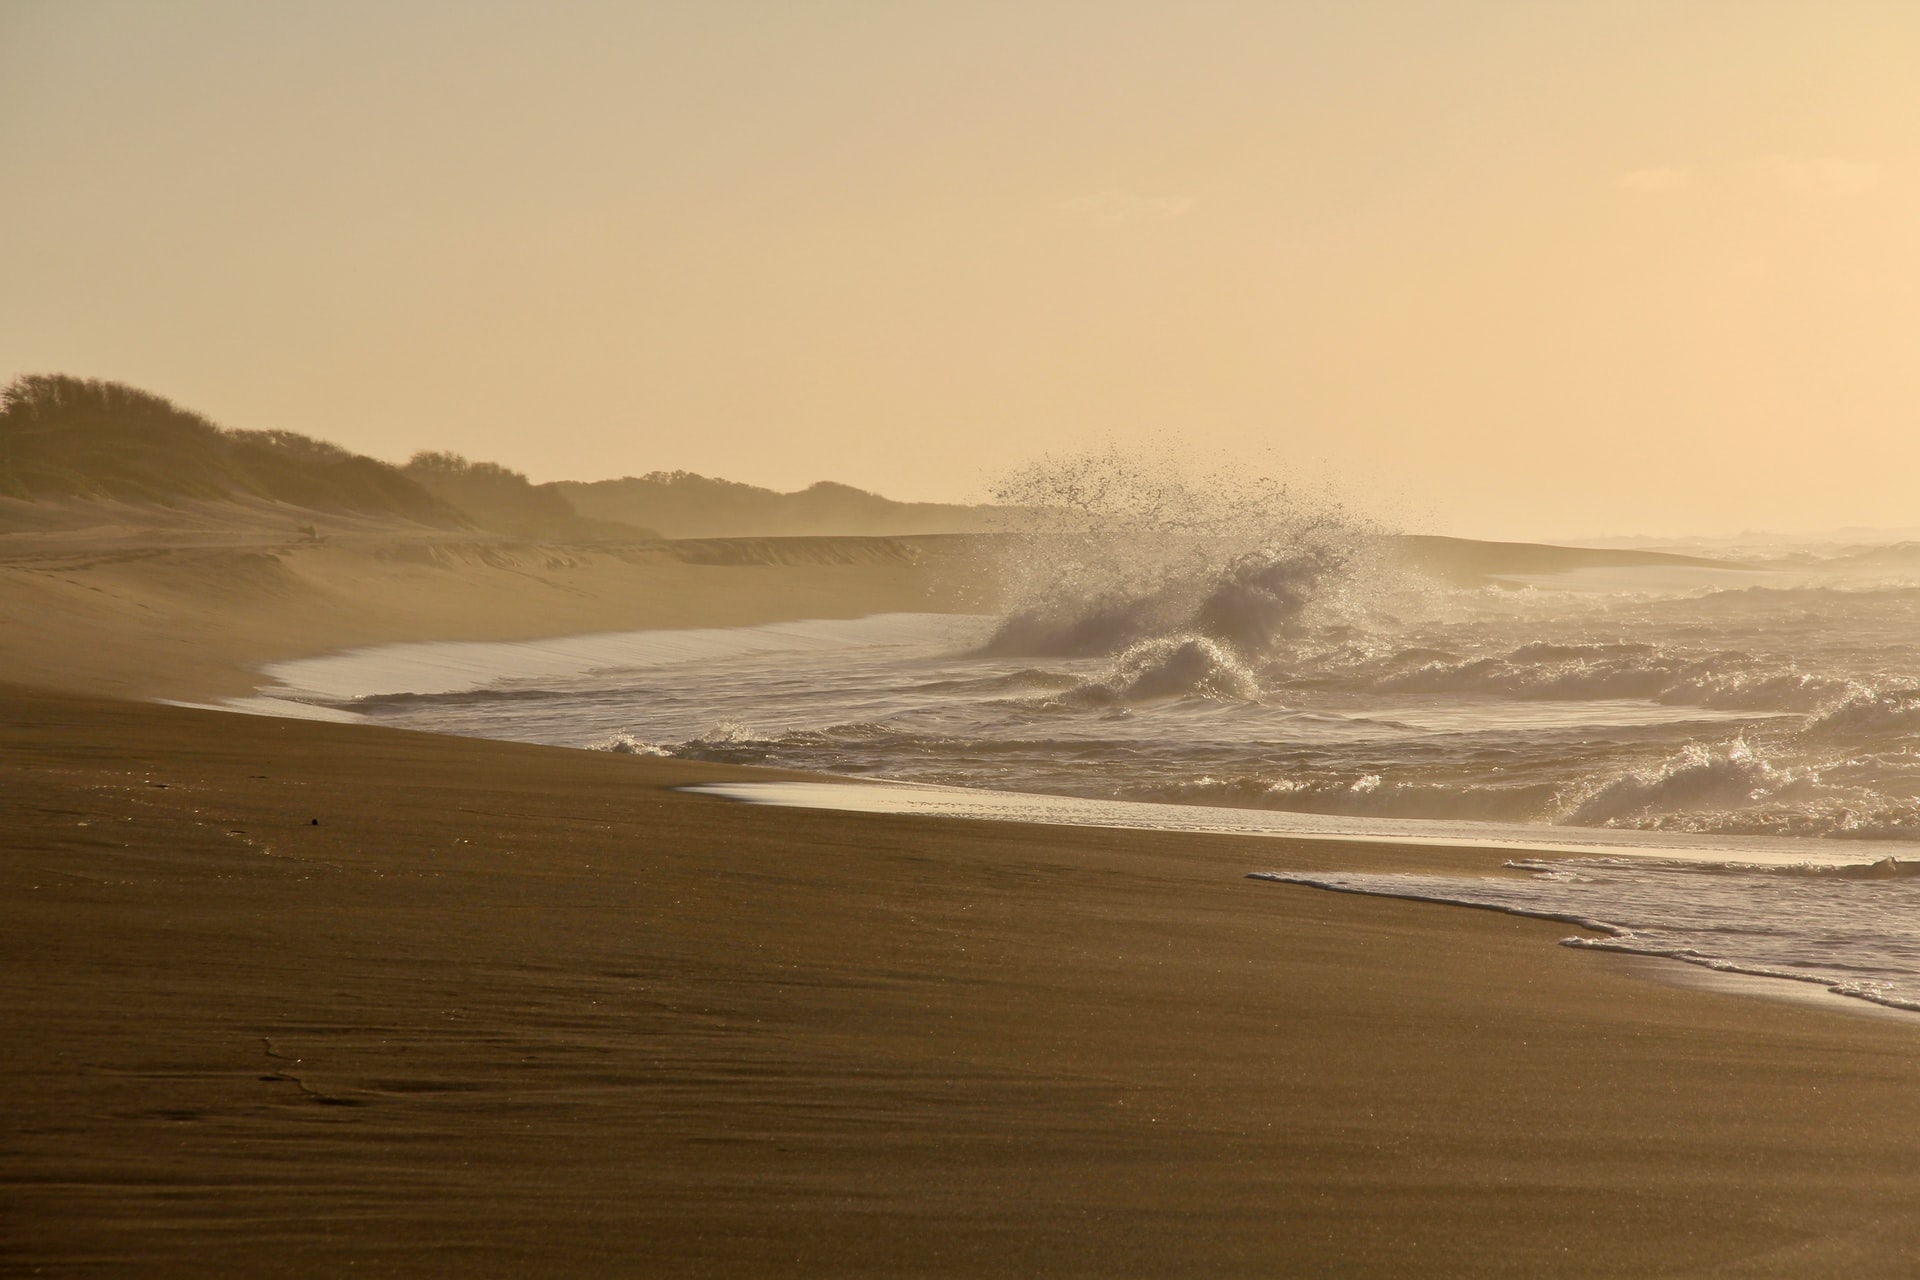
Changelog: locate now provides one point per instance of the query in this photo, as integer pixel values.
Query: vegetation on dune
(90, 439)
(683, 505)
(504, 499)
(62, 436)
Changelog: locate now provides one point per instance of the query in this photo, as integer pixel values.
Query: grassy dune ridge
(97, 441)
(88, 439)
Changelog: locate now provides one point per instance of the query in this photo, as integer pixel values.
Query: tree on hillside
(500, 497)
(88, 438)
(439, 464)
(52, 399)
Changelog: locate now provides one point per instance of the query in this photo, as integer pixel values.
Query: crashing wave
(1891, 713)
(626, 744)
(1126, 553)
(1700, 777)
(1181, 666)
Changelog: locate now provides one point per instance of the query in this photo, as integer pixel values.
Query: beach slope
(298, 998)
(304, 998)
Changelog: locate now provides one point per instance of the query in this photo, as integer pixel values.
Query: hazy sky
(1527, 268)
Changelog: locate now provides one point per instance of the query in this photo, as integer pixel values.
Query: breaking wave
(1174, 666)
(1723, 679)
(1122, 553)
(1186, 666)
(1700, 778)
(1892, 713)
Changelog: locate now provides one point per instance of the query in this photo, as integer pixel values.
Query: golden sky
(1505, 268)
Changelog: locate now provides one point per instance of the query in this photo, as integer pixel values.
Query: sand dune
(193, 615)
(682, 505)
(1469, 560)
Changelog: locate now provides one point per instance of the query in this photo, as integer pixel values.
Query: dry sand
(188, 612)
(509, 1010)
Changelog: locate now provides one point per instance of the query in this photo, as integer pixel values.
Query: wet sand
(510, 1010)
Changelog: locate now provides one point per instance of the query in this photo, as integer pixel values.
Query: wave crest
(1182, 666)
(1699, 777)
(1121, 553)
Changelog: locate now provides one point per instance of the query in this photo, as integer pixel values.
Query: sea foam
(1853, 930)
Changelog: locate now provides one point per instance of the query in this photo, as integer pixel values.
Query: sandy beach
(302, 998)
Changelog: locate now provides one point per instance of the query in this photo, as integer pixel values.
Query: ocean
(1713, 762)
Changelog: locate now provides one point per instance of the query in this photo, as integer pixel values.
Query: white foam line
(1013, 806)
(457, 666)
(1744, 977)
(283, 708)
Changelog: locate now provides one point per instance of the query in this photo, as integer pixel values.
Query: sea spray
(1117, 552)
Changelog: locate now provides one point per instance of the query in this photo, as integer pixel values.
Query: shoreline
(332, 686)
(433, 667)
(324, 682)
(290, 996)
(871, 796)
(499, 987)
